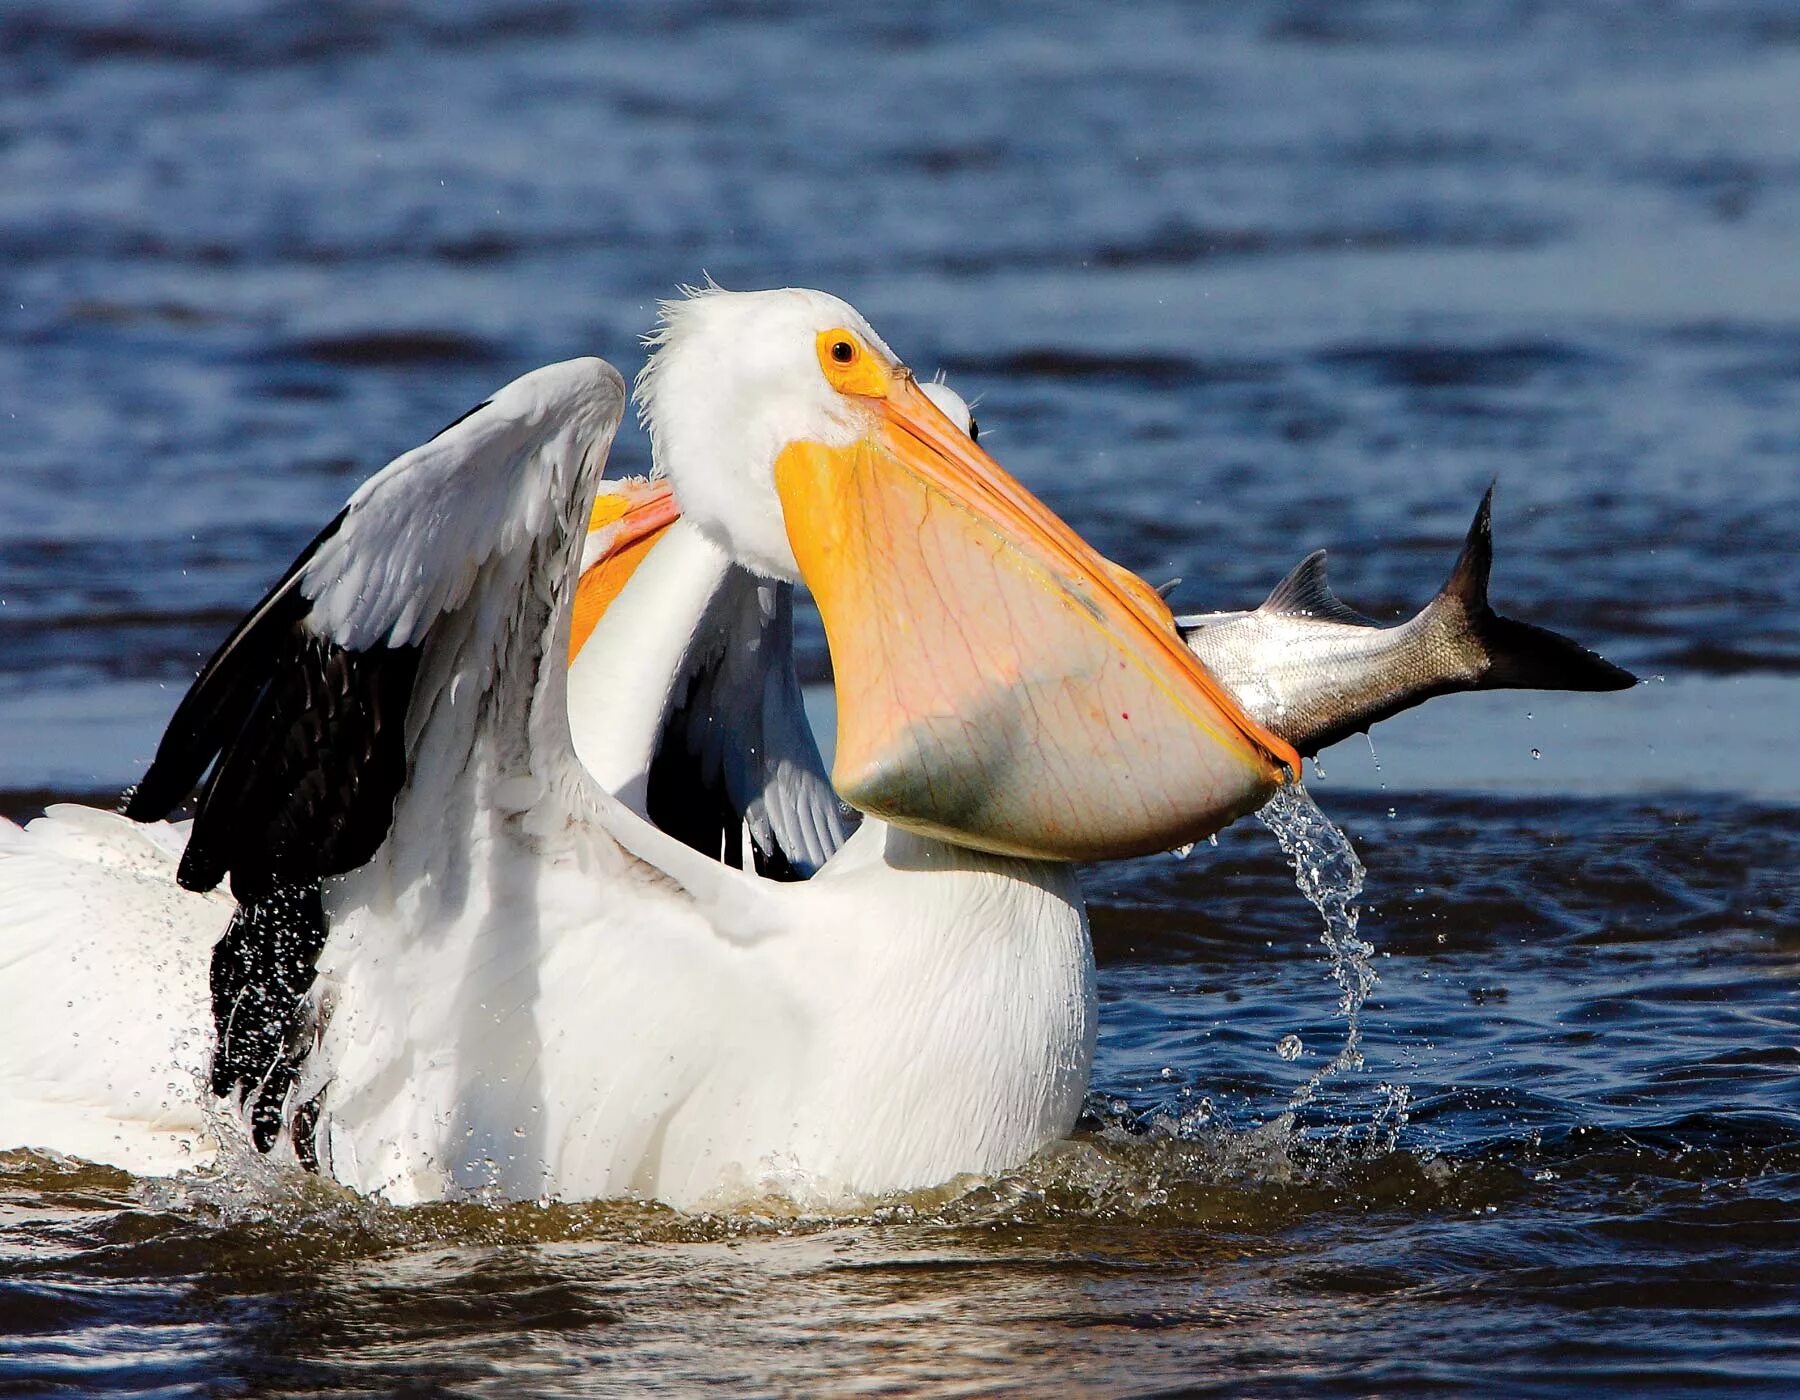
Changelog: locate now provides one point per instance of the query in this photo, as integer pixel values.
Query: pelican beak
(1001, 684)
(629, 517)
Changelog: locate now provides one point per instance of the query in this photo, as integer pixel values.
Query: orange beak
(1001, 684)
(629, 517)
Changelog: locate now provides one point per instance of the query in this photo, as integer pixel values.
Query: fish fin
(1519, 656)
(1468, 581)
(1306, 593)
(1524, 657)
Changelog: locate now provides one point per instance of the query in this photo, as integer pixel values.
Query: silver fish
(1313, 670)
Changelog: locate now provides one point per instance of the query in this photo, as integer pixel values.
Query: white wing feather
(418, 533)
(106, 1033)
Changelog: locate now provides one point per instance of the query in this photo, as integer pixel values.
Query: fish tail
(1515, 655)
(1524, 657)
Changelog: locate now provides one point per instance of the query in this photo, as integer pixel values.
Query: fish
(1312, 670)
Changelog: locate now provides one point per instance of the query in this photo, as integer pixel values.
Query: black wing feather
(306, 742)
(222, 695)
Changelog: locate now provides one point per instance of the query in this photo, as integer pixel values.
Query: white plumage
(530, 990)
(717, 642)
(107, 1032)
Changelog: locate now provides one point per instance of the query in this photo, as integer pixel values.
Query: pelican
(455, 963)
(688, 705)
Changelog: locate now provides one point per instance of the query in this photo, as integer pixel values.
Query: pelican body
(459, 963)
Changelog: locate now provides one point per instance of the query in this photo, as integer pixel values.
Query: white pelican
(695, 679)
(525, 988)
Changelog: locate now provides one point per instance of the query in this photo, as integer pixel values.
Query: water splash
(1331, 877)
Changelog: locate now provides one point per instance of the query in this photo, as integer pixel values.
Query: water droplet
(1183, 852)
(1331, 877)
(1289, 1046)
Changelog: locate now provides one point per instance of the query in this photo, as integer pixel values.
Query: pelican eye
(974, 429)
(850, 366)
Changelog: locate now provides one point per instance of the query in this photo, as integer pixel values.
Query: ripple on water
(1264, 1226)
(1277, 276)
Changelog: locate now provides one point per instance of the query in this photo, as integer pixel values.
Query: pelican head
(1000, 684)
(734, 378)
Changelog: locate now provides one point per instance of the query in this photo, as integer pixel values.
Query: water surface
(1229, 285)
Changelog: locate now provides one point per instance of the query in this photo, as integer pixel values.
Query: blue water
(1229, 284)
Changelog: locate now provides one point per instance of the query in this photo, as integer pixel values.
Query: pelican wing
(375, 666)
(737, 748)
(783, 780)
(301, 713)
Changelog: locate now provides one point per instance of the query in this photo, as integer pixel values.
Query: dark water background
(1230, 282)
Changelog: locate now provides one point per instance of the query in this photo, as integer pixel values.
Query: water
(1230, 283)
(1328, 873)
